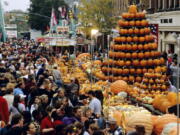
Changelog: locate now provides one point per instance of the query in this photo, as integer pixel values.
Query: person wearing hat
(114, 129)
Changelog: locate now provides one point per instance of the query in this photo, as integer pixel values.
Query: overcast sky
(15, 4)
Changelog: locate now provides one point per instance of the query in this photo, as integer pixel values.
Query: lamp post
(93, 33)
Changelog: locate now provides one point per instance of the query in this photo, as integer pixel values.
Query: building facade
(166, 13)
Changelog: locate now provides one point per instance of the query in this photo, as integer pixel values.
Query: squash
(162, 121)
(168, 128)
(174, 131)
(118, 86)
(139, 119)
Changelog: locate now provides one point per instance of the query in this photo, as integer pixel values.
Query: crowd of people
(35, 101)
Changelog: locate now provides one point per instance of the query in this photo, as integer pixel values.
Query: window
(165, 20)
(171, 20)
(162, 20)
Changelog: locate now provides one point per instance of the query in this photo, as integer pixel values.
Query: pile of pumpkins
(163, 102)
(134, 52)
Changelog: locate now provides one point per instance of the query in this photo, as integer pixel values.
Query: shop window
(165, 20)
(171, 48)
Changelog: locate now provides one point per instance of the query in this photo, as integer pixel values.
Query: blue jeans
(58, 83)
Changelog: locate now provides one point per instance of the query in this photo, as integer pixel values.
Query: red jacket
(47, 123)
(4, 112)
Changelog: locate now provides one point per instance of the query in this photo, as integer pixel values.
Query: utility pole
(2, 24)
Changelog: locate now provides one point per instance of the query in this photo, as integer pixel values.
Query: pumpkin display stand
(134, 54)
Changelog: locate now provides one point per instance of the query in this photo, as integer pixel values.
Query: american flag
(155, 32)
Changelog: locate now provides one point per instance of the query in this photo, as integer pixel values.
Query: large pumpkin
(142, 119)
(118, 86)
(162, 121)
(133, 9)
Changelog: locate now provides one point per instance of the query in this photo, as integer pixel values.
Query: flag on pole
(53, 19)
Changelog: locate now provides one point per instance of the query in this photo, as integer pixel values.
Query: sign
(62, 29)
(11, 33)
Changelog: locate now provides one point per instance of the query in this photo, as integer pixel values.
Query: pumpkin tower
(134, 57)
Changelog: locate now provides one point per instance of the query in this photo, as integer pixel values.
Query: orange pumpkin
(134, 47)
(162, 121)
(146, 47)
(128, 55)
(123, 39)
(118, 86)
(138, 79)
(139, 71)
(123, 47)
(142, 15)
(141, 55)
(157, 62)
(119, 71)
(135, 39)
(144, 23)
(125, 78)
(126, 71)
(138, 23)
(132, 70)
(147, 30)
(136, 31)
(144, 70)
(125, 15)
(126, 23)
(121, 23)
(132, 23)
(152, 54)
(97, 62)
(137, 15)
(129, 39)
(128, 47)
(140, 47)
(121, 63)
(154, 45)
(147, 54)
(141, 39)
(128, 63)
(131, 78)
(135, 62)
(130, 31)
(134, 55)
(131, 16)
(142, 31)
(143, 63)
(132, 9)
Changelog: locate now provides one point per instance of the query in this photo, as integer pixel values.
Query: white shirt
(172, 88)
(95, 106)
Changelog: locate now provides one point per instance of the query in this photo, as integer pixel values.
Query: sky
(9, 5)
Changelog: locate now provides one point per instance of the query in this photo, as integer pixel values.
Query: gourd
(162, 121)
(142, 119)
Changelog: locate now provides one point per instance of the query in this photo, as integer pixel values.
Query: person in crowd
(92, 129)
(47, 126)
(174, 67)
(19, 88)
(4, 110)
(171, 87)
(70, 130)
(77, 113)
(58, 96)
(41, 71)
(94, 104)
(9, 94)
(31, 129)
(57, 76)
(17, 107)
(17, 124)
(114, 129)
(80, 129)
(69, 116)
(36, 104)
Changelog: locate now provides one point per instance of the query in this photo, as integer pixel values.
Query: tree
(97, 14)
(40, 12)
